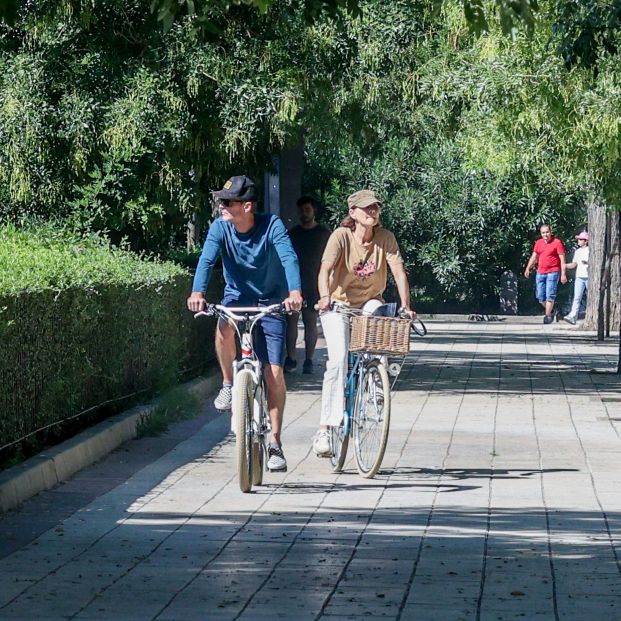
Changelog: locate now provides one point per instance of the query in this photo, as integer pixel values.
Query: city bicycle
(366, 419)
(251, 422)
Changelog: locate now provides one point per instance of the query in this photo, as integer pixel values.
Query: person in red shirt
(549, 254)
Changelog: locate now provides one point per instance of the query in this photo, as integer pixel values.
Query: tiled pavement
(499, 499)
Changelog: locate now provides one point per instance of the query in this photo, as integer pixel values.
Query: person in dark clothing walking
(309, 238)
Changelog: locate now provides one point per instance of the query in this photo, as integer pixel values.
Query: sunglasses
(374, 207)
(226, 202)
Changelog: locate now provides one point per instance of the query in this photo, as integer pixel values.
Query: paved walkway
(500, 498)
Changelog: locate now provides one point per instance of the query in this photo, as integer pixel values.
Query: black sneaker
(548, 319)
(290, 365)
(307, 367)
(276, 461)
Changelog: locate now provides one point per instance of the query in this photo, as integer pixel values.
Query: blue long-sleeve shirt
(260, 266)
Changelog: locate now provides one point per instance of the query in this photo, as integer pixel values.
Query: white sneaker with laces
(224, 399)
(321, 443)
(276, 461)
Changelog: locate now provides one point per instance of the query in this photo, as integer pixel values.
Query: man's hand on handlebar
(197, 302)
(294, 301)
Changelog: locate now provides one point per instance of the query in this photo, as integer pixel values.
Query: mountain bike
(368, 388)
(251, 421)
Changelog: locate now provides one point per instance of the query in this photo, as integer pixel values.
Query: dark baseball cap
(240, 188)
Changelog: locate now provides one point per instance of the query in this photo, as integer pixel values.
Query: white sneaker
(321, 443)
(276, 461)
(224, 399)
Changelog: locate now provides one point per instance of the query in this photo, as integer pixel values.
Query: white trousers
(336, 332)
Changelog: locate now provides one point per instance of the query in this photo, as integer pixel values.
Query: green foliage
(94, 328)
(119, 116)
(588, 30)
(511, 13)
(466, 167)
(44, 258)
(112, 124)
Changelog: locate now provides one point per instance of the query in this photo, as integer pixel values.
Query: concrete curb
(44, 471)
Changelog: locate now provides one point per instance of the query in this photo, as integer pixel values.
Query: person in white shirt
(580, 262)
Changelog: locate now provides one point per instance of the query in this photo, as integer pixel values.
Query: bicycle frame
(250, 362)
(243, 320)
(351, 387)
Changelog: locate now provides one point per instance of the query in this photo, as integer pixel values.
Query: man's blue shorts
(546, 286)
(269, 334)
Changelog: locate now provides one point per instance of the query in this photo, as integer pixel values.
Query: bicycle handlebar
(234, 312)
(416, 325)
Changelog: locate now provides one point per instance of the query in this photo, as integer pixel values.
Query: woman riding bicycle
(353, 273)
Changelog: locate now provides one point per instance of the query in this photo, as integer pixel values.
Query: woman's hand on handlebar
(197, 302)
(407, 313)
(323, 304)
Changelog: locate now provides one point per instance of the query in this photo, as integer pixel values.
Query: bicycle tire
(339, 442)
(371, 420)
(243, 404)
(259, 450)
(258, 453)
(418, 327)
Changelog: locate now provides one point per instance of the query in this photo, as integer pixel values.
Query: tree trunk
(614, 275)
(192, 234)
(619, 293)
(604, 289)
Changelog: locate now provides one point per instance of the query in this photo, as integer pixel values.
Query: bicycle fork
(260, 421)
(350, 392)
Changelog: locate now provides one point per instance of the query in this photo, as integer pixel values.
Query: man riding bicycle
(260, 268)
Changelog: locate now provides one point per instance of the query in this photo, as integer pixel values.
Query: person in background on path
(549, 255)
(260, 268)
(580, 263)
(309, 238)
(354, 269)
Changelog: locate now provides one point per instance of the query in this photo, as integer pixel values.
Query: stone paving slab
(499, 498)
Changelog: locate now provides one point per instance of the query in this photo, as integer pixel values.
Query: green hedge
(69, 343)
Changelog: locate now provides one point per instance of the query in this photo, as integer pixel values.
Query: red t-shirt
(547, 255)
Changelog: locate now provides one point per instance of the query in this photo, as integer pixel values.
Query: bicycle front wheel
(371, 419)
(339, 441)
(242, 410)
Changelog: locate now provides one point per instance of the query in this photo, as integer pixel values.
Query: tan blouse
(360, 272)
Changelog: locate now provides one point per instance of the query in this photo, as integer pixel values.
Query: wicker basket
(380, 335)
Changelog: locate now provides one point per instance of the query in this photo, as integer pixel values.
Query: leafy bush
(88, 328)
(45, 258)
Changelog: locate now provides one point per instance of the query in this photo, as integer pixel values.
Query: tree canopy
(119, 116)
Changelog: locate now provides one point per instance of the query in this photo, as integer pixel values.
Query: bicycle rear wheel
(371, 419)
(258, 453)
(261, 429)
(339, 441)
(243, 406)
